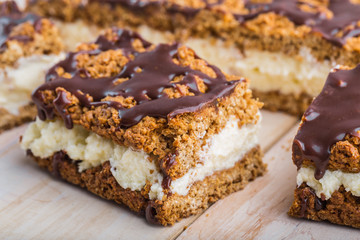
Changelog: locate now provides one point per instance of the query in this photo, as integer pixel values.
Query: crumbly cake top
(123, 71)
(332, 117)
(10, 17)
(335, 20)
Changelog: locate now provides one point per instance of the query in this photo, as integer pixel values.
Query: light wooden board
(260, 211)
(9, 138)
(33, 205)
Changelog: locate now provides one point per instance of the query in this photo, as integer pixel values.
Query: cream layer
(330, 182)
(131, 168)
(76, 32)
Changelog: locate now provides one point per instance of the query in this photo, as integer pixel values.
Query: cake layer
(25, 114)
(341, 208)
(276, 101)
(174, 207)
(133, 169)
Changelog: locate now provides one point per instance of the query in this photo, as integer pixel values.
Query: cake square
(326, 153)
(153, 127)
(29, 45)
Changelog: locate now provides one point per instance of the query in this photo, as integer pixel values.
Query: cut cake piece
(286, 47)
(326, 152)
(29, 45)
(153, 127)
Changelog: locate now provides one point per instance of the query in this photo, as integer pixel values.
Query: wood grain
(33, 205)
(9, 138)
(260, 211)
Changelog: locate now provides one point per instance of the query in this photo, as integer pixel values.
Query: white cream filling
(330, 182)
(131, 168)
(222, 151)
(17, 82)
(279, 72)
(76, 32)
(267, 71)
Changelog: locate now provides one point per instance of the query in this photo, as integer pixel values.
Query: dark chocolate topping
(11, 16)
(146, 87)
(166, 164)
(345, 14)
(305, 196)
(60, 103)
(150, 213)
(332, 115)
(58, 158)
(166, 183)
(287, 8)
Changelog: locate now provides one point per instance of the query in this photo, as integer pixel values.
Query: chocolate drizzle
(60, 103)
(166, 183)
(345, 14)
(287, 8)
(305, 196)
(145, 86)
(11, 16)
(56, 161)
(166, 164)
(332, 115)
(150, 213)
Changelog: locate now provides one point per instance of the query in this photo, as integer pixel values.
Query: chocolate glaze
(150, 213)
(60, 103)
(319, 204)
(166, 183)
(146, 87)
(287, 8)
(165, 164)
(168, 162)
(332, 115)
(345, 14)
(57, 159)
(11, 16)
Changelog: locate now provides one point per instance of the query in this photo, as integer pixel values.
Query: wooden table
(33, 205)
